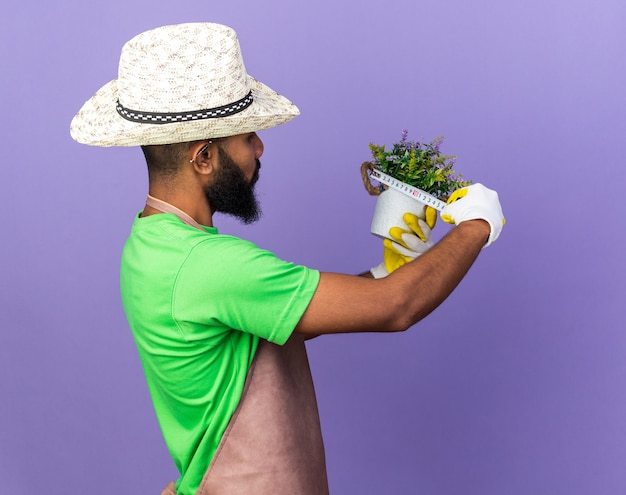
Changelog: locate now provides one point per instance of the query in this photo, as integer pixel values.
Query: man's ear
(203, 157)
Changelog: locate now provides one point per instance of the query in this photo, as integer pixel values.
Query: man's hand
(407, 244)
(475, 202)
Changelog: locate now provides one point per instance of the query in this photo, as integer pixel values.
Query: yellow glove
(407, 244)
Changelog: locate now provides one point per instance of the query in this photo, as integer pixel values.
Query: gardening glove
(407, 244)
(473, 202)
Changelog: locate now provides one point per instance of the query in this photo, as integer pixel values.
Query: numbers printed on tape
(413, 192)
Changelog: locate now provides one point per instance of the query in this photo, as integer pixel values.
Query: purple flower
(436, 143)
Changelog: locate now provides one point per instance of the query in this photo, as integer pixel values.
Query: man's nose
(258, 146)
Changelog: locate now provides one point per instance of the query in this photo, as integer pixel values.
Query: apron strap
(164, 207)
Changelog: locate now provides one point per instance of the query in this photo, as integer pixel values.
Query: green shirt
(197, 303)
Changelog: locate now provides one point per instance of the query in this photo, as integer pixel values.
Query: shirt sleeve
(228, 284)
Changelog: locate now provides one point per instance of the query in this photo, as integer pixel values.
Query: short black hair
(164, 160)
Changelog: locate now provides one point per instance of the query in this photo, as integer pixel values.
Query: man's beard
(231, 193)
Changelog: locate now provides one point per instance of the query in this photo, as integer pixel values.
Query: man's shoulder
(165, 236)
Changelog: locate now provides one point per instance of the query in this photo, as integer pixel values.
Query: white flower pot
(391, 205)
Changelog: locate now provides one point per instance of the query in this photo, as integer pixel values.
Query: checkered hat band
(169, 118)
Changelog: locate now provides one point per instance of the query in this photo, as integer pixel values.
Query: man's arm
(347, 303)
(344, 303)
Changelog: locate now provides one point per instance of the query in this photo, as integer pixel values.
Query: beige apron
(273, 443)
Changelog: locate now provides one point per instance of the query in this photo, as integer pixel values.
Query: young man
(219, 323)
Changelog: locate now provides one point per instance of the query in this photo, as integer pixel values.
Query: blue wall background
(514, 385)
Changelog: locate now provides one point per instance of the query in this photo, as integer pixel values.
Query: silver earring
(202, 150)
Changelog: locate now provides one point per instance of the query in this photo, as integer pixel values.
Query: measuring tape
(413, 192)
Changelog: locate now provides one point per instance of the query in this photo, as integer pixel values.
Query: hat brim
(99, 124)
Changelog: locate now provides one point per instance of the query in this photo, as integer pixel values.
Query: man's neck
(192, 202)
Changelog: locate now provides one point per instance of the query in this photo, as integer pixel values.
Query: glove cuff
(494, 234)
(495, 229)
(379, 271)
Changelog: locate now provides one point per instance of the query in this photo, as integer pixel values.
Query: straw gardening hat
(179, 83)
